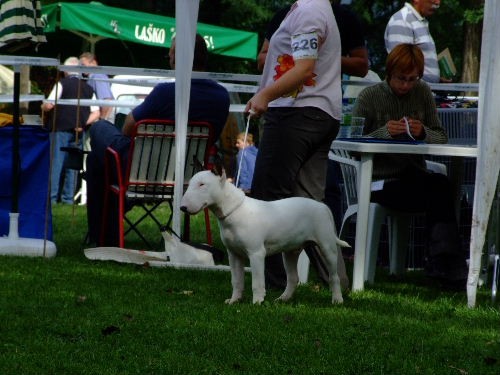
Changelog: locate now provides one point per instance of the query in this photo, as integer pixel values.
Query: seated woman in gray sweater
(402, 107)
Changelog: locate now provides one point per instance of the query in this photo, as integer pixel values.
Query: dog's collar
(222, 217)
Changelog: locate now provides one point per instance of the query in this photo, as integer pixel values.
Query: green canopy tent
(94, 21)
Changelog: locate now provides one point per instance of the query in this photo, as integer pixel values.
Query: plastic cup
(357, 126)
(345, 126)
(344, 131)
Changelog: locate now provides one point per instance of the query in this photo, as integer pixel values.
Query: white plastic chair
(460, 124)
(398, 221)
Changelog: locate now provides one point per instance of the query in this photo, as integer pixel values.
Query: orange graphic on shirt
(285, 63)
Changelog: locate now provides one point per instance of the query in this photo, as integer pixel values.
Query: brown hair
(241, 137)
(405, 58)
(200, 58)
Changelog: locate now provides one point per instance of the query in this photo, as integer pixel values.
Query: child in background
(247, 152)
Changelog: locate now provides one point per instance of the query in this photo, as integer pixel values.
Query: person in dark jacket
(209, 101)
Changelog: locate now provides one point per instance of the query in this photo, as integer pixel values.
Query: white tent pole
(488, 160)
(186, 16)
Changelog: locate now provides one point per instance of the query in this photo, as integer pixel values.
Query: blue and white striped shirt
(408, 26)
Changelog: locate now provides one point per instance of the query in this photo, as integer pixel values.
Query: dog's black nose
(183, 208)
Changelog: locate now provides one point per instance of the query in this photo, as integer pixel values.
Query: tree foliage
(448, 27)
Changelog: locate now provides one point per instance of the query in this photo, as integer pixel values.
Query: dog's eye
(201, 184)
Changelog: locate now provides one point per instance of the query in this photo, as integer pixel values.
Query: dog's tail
(342, 243)
(337, 239)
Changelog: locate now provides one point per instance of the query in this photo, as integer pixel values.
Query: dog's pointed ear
(197, 165)
(218, 168)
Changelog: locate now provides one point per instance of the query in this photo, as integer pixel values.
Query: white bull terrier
(253, 229)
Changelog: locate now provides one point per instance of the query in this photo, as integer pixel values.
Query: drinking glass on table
(357, 126)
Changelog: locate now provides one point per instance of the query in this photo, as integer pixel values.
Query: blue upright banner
(34, 181)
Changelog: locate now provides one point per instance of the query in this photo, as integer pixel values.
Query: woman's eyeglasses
(403, 79)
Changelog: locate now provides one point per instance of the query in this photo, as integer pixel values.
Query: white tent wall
(186, 15)
(488, 160)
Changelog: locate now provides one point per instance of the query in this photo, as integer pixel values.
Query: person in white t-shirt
(300, 98)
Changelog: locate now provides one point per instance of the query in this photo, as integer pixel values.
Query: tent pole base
(18, 246)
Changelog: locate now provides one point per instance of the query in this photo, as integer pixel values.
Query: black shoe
(454, 285)
(451, 267)
(450, 285)
(450, 275)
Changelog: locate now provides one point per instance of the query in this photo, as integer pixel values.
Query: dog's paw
(258, 300)
(337, 300)
(280, 300)
(283, 298)
(231, 301)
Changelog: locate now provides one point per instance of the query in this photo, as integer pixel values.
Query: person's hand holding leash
(257, 105)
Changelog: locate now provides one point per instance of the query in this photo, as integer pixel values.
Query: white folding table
(366, 152)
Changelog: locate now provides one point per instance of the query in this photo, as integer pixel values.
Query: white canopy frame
(186, 15)
(488, 160)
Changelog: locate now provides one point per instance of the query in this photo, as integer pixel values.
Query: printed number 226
(305, 44)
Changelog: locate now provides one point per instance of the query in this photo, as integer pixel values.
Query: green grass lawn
(69, 315)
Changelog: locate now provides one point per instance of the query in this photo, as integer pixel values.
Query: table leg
(364, 191)
(456, 176)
